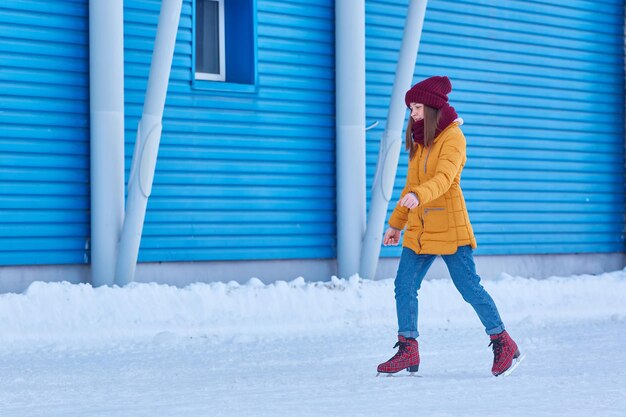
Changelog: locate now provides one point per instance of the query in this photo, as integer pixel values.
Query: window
(210, 51)
(225, 44)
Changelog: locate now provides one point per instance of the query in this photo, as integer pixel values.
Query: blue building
(245, 183)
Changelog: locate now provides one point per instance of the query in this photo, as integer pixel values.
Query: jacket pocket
(435, 219)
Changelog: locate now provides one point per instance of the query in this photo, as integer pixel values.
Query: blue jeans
(411, 272)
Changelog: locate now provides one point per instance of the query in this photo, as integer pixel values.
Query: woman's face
(417, 111)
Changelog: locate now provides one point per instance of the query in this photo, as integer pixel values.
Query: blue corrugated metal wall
(249, 173)
(44, 146)
(540, 86)
(242, 175)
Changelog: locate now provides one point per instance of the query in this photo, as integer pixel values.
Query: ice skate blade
(515, 365)
(399, 375)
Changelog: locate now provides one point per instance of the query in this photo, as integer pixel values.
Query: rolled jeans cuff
(495, 330)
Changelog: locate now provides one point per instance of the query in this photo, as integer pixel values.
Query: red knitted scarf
(448, 115)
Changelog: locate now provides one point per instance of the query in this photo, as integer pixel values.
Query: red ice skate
(506, 354)
(407, 357)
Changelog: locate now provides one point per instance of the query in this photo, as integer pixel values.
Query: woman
(432, 209)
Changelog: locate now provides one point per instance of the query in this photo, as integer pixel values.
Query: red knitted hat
(432, 92)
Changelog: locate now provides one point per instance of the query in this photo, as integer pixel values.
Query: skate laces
(404, 347)
(498, 345)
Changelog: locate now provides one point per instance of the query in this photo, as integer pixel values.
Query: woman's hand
(409, 201)
(392, 237)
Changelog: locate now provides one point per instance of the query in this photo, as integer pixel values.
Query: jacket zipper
(426, 161)
(419, 241)
(426, 210)
(421, 217)
(418, 170)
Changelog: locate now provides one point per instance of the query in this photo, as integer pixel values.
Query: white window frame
(222, 47)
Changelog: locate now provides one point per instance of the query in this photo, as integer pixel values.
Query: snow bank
(63, 312)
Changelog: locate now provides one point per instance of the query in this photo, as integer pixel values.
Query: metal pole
(106, 101)
(148, 138)
(350, 121)
(392, 140)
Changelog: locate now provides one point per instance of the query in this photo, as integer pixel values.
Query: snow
(308, 349)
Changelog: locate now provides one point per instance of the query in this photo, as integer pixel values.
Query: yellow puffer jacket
(440, 223)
